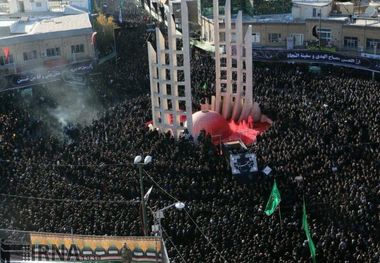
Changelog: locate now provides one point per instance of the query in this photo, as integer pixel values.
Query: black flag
(315, 33)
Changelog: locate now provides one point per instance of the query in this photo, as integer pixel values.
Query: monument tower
(233, 66)
(169, 70)
(232, 112)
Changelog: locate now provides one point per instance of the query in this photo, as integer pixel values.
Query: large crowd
(323, 147)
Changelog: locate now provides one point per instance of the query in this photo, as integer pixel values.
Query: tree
(104, 26)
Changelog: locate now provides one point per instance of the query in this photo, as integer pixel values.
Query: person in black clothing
(325, 130)
(4, 252)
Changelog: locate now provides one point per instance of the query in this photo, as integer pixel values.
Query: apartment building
(324, 22)
(35, 37)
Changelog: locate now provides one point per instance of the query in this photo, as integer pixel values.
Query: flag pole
(279, 212)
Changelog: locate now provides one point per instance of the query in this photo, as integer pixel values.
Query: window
(255, 37)
(350, 42)
(53, 52)
(77, 48)
(30, 55)
(325, 34)
(298, 39)
(314, 12)
(234, 63)
(274, 37)
(223, 62)
(38, 4)
(373, 43)
(4, 61)
(233, 50)
(223, 48)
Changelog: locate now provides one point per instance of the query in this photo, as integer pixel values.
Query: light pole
(115, 47)
(157, 228)
(375, 49)
(137, 161)
(320, 29)
(159, 214)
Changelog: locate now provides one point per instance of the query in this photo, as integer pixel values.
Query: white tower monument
(169, 68)
(233, 66)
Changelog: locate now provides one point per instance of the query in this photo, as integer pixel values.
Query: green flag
(204, 86)
(274, 200)
(305, 227)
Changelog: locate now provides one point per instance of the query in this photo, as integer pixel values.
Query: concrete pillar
(247, 72)
(218, 91)
(170, 80)
(234, 75)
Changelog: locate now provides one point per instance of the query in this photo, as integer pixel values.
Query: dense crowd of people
(323, 147)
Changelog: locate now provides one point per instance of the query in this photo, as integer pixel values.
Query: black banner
(31, 78)
(317, 57)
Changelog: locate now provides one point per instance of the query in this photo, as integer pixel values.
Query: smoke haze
(60, 105)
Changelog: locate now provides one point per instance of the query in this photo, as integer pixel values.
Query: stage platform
(246, 134)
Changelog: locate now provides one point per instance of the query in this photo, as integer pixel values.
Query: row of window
(276, 38)
(50, 52)
(325, 35)
(352, 42)
(53, 52)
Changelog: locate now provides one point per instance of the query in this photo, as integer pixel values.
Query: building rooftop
(344, 3)
(15, 30)
(7, 23)
(289, 18)
(55, 24)
(275, 18)
(313, 3)
(263, 18)
(331, 18)
(366, 22)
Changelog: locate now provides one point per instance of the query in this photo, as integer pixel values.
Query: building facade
(42, 40)
(310, 24)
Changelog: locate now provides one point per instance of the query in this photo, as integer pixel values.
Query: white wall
(13, 6)
(80, 3)
(29, 6)
(306, 11)
(35, 8)
(296, 12)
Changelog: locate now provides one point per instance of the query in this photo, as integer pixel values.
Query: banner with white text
(32, 246)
